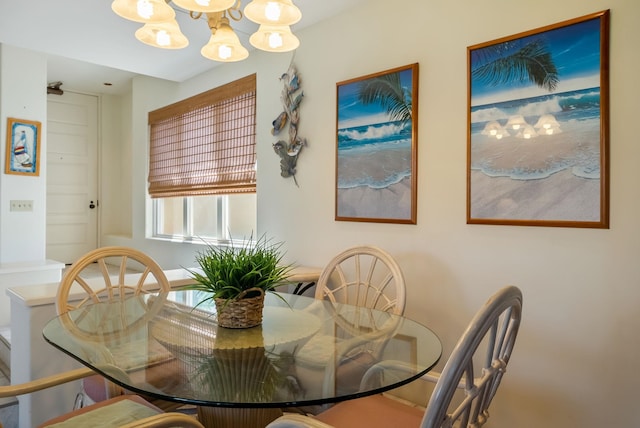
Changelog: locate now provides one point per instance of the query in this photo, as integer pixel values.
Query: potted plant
(236, 279)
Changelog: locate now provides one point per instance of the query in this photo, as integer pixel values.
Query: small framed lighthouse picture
(23, 147)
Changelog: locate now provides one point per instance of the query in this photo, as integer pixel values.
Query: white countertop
(45, 294)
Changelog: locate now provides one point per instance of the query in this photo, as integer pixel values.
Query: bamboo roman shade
(205, 145)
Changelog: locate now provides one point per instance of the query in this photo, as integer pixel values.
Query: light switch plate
(21, 205)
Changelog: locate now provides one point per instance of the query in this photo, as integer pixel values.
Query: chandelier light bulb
(163, 38)
(272, 38)
(204, 6)
(224, 44)
(272, 11)
(224, 52)
(165, 35)
(145, 9)
(275, 40)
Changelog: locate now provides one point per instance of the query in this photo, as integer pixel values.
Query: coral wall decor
(291, 98)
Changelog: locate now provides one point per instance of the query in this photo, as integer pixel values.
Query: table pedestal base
(225, 417)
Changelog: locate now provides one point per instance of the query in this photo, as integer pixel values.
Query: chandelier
(162, 30)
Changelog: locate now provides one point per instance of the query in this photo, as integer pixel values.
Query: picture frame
(538, 126)
(23, 147)
(377, 147)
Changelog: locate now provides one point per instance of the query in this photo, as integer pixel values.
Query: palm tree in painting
(508, 61)
(388, 91)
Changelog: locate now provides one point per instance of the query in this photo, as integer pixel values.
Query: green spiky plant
(228, 271)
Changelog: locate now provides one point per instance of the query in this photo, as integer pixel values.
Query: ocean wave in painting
(533, 151)
(375, 156)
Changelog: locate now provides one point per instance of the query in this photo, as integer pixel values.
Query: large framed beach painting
(376, 155)
(538, 122)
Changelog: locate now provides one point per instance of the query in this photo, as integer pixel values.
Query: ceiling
(88, 45)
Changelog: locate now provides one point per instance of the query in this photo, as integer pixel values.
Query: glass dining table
(306, 352)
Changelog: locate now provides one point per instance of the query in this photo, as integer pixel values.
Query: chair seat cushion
(96, 388)
(109, 413)
(371, 412)
(159, 375)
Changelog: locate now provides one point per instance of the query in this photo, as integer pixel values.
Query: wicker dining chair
(365, 276)
(131, 410)
(475, 368)
(123, 272)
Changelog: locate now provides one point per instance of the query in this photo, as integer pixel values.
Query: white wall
(575, 360)
(23, 83)
(115, 193)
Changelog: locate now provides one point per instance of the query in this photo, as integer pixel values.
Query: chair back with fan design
(365, 276)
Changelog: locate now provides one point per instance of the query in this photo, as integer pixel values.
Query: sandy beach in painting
(545, 178)
(392, 202)
(374, 180)
(560, 197)
(549, 168)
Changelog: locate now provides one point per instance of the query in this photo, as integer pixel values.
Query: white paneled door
(72, 175)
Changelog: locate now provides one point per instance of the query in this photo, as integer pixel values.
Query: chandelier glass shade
(145, 11)
(166, 35)
(161, 29)
(270, 12)
(224, 44)
(273, 38)
(204, 5)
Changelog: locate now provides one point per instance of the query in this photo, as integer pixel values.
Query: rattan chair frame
(152, 279)
(375, 280)
(494, 328)
(498, 323)
(76, 290)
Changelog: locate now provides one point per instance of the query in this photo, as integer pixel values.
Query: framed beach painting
(23, 147)
(538, 127)
(376, 154)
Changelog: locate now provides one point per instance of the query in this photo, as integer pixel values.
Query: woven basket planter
(241, 312)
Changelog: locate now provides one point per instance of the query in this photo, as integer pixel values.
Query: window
(212, 218)
(202, 164)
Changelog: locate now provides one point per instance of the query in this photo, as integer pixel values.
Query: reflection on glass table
(306, 352)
